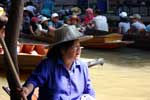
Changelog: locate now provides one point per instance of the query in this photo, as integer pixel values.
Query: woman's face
(74, 51)
(74, 21)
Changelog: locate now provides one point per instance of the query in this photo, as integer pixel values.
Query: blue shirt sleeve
(39, 75)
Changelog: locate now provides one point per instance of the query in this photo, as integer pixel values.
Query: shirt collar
(75, 64)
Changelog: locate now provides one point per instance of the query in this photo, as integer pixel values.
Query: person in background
(99, 25)
(44, 26)
(75, 20)
(124, 24)
(27, 15)
(34, 25)
(100, 21)
(137, 25)
(147, 29)
(89, 15)
(55, 22)
(62, 75)
(3, 22)
(31, 7)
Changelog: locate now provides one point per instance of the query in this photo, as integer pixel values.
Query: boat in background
(141, 41)
(29, 55)
(39, 38)
(25, 61)
(109, 41)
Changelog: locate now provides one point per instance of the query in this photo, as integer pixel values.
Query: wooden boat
(41, 38)
(29, 55)
(110, 41)
(25, 61)
(141, 41)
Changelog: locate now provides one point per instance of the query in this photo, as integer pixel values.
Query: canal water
(125, 74)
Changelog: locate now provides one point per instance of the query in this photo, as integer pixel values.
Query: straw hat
(76, 11)
(75, 17)
(68, 33)
(2, 12)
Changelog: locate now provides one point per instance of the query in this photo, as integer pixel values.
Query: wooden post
(11, 36)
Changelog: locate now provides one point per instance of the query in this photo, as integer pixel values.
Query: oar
(12, 66)
(95, 62)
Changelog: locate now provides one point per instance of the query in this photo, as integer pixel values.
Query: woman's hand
(25, 91)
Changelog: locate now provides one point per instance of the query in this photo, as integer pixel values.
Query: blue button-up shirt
(55, 82)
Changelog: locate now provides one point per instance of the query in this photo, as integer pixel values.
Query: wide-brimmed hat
(68, 33)
(136, 16)
(75, 17)
(76, 11)
(43, 19)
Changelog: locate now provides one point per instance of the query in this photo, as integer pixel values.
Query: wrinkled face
(74, 51)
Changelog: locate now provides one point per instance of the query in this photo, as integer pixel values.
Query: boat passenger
(75, 20)
(100, 21)
(89, 15)
(99, 24)
(44, 26)
(55, 22)
(33, 27)
(124, 24)
(3, 21)
(137, 26)
(62, 75)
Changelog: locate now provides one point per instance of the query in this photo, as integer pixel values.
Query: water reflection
(120, 57)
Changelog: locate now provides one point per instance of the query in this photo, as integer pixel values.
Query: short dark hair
(55, 51)
(97, 11)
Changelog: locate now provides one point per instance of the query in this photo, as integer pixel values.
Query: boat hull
(110, 41)
(25, 61)
(140, 41)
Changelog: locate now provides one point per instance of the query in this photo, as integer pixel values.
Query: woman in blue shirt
(62, 75)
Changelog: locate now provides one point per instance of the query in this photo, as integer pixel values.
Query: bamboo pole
(12, 66)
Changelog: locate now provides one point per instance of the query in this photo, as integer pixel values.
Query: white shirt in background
(124, 27)
(100, 23)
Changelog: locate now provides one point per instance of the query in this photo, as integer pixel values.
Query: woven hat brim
(81, 39)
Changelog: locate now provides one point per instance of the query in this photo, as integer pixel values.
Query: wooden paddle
(10, 61)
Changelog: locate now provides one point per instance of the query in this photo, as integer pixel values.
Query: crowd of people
(89, 21)
(132, 24)
(58, 75)
(36, 23)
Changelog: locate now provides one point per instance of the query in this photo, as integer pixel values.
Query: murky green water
(124, 76)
